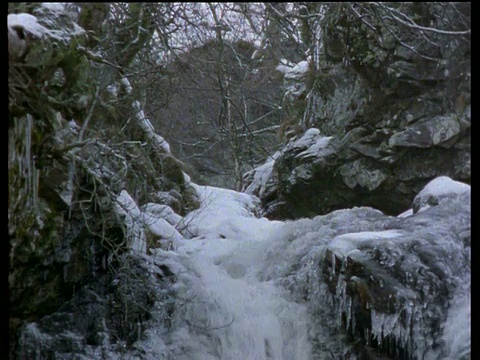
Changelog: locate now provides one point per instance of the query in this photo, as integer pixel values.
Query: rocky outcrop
(397, 117)
(66, 237)
(105, 317)
(385, 285)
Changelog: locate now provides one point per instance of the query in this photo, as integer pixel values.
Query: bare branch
(89, 115)
(409, 22)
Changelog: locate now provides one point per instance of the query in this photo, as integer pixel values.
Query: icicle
(353, 323)
(92, 256)
(333, 263)
(378, 321)
(71, 176)
(65, 272)
(28, 155)
(36, 180)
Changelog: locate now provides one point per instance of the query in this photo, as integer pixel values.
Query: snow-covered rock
(218, 208)
(438, 190)
(400, 283)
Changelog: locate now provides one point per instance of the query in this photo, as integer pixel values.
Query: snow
(261, 176)
(294, 77)
(128, 89)
(113, 89)
(50, 28)
(162, 228)
(443, 186)
(224, 213)
(298, 70)
(249, 288)
(345, 244)
(28, 22)
(162, 221)
(128, 209)
(57, 7)
(308, 136)
(285, 66)
(315, 143)
(405, 214)
(148, 128)
(318, 148)
(162, 211)
(436, 191)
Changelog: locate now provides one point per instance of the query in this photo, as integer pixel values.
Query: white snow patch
(434, 192)
(126, 207)
(307, 139)
(438, 190)
(161, 228)
(316, 145)
(28, 22)
(113, 89)
(318, 148)
(260, 178)
(162, 211)
(133, 216)
(285, 66)
(347, 243)
(262, 175)
(443, 185)
(162, 222)
(163, 143)
(223, 212)
(187, 178)
(405, 214)
(148, 128)
(410, 212)
(310, 134)
(56, 7)
(128, 87)
(298, 70)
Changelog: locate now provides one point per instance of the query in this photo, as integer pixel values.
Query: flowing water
(230, 313)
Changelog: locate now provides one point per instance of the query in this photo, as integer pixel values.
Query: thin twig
(89, 115)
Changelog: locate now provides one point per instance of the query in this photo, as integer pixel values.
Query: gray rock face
(104, 318)
(434, 131)
(396, 118)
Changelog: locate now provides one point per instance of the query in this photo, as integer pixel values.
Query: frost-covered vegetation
(351, 123)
